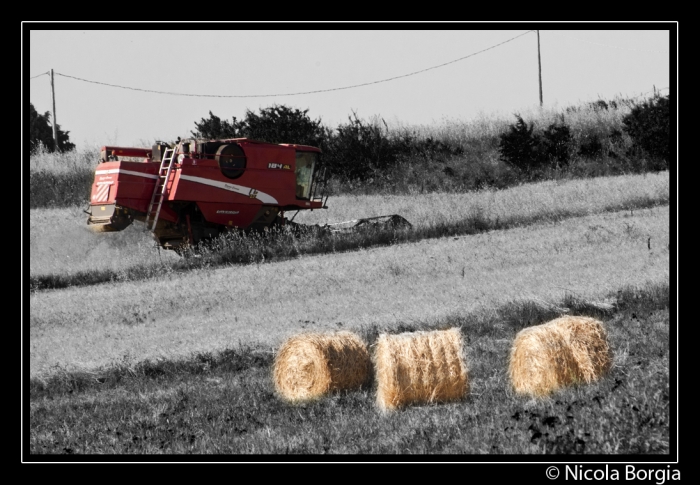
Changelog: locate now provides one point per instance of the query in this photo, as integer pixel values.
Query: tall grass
(61, 179)
(78, 160)
(473, 160)
(452, 155)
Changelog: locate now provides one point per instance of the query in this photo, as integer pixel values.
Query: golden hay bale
(310, 365)
(564, 351)
(420, 367)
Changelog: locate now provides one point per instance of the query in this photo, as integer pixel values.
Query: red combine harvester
(194, 190)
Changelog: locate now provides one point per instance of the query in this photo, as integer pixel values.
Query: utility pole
(539, 65)
(53, 100)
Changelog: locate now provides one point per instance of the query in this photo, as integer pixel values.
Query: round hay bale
(307, 366)
(562, 352)
(420, 367)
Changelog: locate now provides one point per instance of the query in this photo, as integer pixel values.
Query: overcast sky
(414, 76)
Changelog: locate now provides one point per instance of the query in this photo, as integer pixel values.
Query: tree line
(41, 133)
(361, 150)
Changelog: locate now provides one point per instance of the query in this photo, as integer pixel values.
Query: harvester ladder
(159, 191)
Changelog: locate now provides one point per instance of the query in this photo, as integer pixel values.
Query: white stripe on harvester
(239, 189)
(126, 172)
(102, 193)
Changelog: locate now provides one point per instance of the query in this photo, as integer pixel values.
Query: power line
(42, 74)
(299, 93)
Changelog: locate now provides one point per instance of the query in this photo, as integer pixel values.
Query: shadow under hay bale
(565, 351)
(420, 367)
(308, 366)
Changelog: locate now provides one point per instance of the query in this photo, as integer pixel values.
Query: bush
(532, 152)
(556, 144)
(41, 133)
(591, 146)
(214, 128)
(436, 149)
(276, 124)
(648, 124)
(519, 146)
(358, 150)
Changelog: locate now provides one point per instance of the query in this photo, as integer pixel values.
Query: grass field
(181, 363)
(206, 310)
(225, 403)
(117, 252)
(544, 200)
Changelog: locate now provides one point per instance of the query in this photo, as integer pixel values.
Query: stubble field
(591, 242)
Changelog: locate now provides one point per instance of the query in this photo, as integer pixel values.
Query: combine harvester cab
(194, 190)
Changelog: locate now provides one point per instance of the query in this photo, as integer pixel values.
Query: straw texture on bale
(564, 351)
(310, 365)
(420, 367)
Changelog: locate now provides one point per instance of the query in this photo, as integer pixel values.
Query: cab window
(305, 163)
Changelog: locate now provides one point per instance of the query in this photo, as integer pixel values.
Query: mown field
(181, 362)
(223, 405)
(132, 253)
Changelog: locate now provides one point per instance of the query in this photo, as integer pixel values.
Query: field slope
(207, 310)
(181, 361)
